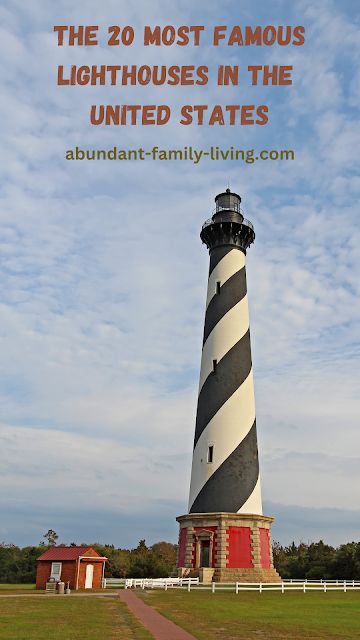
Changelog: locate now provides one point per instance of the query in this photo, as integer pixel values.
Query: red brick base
(237, 547)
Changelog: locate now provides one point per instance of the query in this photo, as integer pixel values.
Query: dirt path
(160, 627)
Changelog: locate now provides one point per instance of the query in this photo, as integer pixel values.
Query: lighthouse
(225, 536)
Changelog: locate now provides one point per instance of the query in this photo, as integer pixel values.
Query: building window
(210, 454)
(214, 365)
(55, 570)
(218, 285)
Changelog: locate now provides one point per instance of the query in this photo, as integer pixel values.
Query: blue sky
(104, 277)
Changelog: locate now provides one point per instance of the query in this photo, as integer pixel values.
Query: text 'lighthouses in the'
(225, 536)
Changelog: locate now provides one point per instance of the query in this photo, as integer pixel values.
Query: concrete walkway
(160, 627)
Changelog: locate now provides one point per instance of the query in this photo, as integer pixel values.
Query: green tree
(167, 552)
(141, 549)
(346, 562)
(51, 536)
(118, 563)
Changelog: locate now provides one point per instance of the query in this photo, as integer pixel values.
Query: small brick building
(82, 567)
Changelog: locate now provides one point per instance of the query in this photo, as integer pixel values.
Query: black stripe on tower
(232, 292)
(216, 255)
(231, 371)
(233, 482)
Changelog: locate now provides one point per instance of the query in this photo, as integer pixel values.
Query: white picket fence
(149, 583)
(260, 587)
(193, 584)
(296, 580)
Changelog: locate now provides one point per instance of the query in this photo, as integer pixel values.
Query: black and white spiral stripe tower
(225, 468)
(225, 536)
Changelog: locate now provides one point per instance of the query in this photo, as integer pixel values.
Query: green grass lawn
(267, 616)
(68, 618)
(14, 588)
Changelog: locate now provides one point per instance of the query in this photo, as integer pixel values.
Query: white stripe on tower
(232, 326)
(231, 262)
(224, 433)
(225, 469)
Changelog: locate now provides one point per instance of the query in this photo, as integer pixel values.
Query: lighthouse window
(218, 285)
(210, 453)
(214, 365)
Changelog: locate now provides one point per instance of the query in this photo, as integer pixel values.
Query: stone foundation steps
(240, 575)
(250, 575)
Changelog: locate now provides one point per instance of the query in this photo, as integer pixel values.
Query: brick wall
(42, 574)
(98, 567)
(265, 548)
(44, 571)
(182, 547)
(239, 548)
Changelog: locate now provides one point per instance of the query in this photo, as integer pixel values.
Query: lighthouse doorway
(205, 553)
(204, 541)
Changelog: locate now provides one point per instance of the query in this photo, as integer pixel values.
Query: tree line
(312, 561)
(18, 565)
(318, 561)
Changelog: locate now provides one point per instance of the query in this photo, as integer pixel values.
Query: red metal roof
(66, 553)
